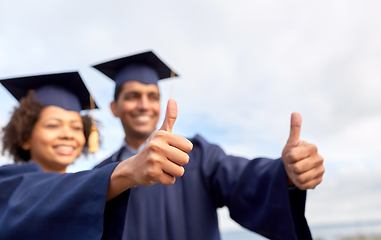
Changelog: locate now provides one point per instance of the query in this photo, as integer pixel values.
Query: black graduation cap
(144, 67)
(65, 90)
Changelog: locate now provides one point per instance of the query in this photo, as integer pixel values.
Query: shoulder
(113, 158)
(204, 151)
(198, 140)
(13, 169)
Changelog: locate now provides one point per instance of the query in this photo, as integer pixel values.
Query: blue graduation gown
(255, 192)
(39, 205)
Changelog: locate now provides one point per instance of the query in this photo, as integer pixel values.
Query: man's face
(138, 107)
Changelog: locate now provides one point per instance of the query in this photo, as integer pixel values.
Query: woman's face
(57, 139)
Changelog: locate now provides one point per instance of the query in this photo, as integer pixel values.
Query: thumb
(296, 124)
(170, 116)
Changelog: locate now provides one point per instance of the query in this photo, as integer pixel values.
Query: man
(263, 195)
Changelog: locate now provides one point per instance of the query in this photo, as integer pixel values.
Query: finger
(301, 152)
(176, 156)
(174, 140)
(311, 184)
(170, 116)
(305, 178)
(296, 123)
(303, 143)
(307, 164)
(173, 169)
(166, 179)
(180, 142)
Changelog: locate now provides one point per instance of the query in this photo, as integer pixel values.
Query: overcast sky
(244, 67)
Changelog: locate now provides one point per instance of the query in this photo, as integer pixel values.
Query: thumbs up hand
(162, 158)
(303, 164)
(170, 116)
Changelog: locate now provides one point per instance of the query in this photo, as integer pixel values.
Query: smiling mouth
(64, 149)
(143, 118)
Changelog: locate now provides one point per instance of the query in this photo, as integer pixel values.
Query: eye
(131, 96)
(77, 128)
(51, 125)
(154, 97)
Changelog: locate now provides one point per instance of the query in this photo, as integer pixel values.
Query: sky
(244, 67)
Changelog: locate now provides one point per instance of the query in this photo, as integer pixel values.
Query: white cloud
(244, 67)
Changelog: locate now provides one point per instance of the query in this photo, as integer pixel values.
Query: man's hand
(303, 164)
(161, 159)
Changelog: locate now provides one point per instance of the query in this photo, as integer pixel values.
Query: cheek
(81, 139)
(126, 108)
(42, 139)
(156, 108)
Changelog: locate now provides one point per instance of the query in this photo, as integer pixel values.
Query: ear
(113, 108)
(26, 145)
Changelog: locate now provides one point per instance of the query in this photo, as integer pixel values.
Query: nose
(66, 132)
(143, 103)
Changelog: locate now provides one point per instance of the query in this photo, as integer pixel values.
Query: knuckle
(297, 168)
(154, 146)
(320, 180)
(301, 186)
(322, 170)
(151, 173)
(293, 154)
(320, 160)
(300, 179)
(304, 187)
(153, 160)
(161, 133)
(303, 143)
(313, 148)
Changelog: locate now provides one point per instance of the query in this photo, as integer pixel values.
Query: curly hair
(20, 127)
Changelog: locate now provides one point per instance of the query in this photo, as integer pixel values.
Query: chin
(144, 131)
(66, 160)
(143, 134)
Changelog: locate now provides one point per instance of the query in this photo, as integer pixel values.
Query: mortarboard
(65, 90)
(144, 67)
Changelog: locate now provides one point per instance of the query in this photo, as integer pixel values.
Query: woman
(38, 199)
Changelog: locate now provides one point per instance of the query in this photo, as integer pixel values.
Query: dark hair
(20, 127)
(118, 90)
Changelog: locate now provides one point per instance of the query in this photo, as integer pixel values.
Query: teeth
(66, 148)
(143, 118)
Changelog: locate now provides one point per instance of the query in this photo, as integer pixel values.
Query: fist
(302, 162)
(162, 158)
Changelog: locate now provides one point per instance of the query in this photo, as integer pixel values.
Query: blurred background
(244, 67)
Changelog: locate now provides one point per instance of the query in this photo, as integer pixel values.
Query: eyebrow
(131, 92)
(140, 93)
(60, 120)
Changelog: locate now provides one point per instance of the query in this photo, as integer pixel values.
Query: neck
(134, 142)
(51, 169)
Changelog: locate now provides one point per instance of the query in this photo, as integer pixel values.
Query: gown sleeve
(255, 192)
(39, 205)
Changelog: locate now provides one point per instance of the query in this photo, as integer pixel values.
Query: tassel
(93, 141)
